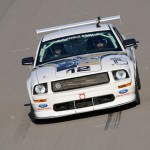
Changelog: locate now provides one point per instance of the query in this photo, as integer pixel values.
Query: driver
(57, 50)
(100, 44)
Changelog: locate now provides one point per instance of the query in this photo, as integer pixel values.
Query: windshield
(80, 44)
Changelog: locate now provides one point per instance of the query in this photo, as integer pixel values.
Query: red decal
(82, 95)
(123, 94)
(43, 108)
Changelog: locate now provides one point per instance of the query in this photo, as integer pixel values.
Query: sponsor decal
(77, 64)
(65, 64)
(123, 91)
(44, 108)
(43, 105)
(119, 61)
(123, 95)
(110, 54)
(82, 96)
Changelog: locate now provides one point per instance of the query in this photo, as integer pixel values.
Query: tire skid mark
(113, 120)
(117, 121)
(108, 121)
(22, 128)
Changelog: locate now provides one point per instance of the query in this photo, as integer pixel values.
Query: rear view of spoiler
(97, 22)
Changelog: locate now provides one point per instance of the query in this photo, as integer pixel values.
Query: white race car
(82, 67)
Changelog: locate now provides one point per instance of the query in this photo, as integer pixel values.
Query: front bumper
(118, 96)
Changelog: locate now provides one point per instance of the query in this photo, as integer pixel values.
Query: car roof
(74, 31)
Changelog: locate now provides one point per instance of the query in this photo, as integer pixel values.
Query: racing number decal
(79, 69)
(85, 68)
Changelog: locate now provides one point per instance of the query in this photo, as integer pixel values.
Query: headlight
(120, 74)
(40, 89)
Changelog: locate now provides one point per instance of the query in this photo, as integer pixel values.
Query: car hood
(80, 66)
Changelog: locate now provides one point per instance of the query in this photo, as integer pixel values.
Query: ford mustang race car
(82, 67)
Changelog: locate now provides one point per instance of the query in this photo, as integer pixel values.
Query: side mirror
(130, 42)
(28, 61)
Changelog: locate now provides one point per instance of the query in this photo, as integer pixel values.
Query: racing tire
(33, 117)
(137, 101)
(138, 78)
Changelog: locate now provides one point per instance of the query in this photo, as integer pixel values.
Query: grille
(80, 82)
(83, 103)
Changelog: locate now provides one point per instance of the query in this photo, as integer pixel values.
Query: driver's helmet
(99, 43)
(56, 47)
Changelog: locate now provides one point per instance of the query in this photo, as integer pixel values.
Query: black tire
(137, 101)
(33, 117)
(138, 78)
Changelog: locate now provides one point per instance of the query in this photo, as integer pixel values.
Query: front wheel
(33, 117)
(138, 78)
(137, 101)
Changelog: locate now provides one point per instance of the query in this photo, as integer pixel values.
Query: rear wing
(97, 22)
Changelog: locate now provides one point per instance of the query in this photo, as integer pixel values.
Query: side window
(118, 34)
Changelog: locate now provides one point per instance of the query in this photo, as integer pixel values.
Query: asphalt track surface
(126, 128)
